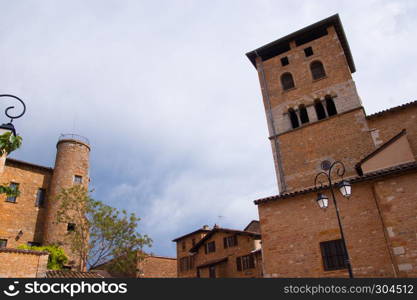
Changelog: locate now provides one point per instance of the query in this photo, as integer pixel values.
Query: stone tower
(71, 167)
(308, 91)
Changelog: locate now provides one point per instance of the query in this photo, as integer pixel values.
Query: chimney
(206, 227)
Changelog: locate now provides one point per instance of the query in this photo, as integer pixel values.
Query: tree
(101, 233)
(8, 143)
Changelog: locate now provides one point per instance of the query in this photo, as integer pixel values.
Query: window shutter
(239, 263)
(225, 242)
(214, 246)
(235, 238)
(205, 248)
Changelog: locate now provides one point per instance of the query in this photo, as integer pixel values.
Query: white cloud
(168, 99)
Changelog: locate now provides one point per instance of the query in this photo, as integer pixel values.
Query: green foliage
(9, 143)
(102, 232)
(57, 257)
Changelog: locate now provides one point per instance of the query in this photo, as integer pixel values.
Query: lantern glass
(345, 188)
(322, 200)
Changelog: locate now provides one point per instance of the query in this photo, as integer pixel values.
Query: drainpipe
(265, 92)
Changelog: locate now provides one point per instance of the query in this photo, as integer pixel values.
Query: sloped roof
(227, 230)
(368, 176)
(73, 274)
(25, 163)
(279, 46)
(212, 262)
(23, 251)
(393, 109)
(191, 233)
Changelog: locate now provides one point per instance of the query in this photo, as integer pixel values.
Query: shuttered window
(230, 241)
(334, 255)
(210, 247)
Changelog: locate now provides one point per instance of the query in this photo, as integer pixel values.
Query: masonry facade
(315, 117)
(30, 218)
(220, 253)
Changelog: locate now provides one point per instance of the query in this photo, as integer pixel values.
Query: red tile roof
(212, 262)
(368, 176)
(73, 274)
(393, 109)
(22, 251)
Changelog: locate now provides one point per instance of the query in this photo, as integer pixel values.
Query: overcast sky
(170, 103)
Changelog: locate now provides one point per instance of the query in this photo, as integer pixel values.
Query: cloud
(168, 99)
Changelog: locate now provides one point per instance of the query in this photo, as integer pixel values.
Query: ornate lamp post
(9, 126)
(323, 201)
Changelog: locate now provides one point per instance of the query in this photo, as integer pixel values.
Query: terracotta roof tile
(72, 274)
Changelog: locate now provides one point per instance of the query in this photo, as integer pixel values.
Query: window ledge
(289, 90)
(321, 78)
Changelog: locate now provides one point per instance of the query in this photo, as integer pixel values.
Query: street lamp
(323, 201)
(8, 127)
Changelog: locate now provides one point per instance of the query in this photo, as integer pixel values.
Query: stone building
(30, 218)
(315, 117)
(148, 266)
(220, 252)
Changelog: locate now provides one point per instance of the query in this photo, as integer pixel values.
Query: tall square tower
(312, 107)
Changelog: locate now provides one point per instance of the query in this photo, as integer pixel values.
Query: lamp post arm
(11, 107)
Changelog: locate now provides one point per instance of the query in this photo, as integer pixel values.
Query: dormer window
(287, 81)
(317, 70)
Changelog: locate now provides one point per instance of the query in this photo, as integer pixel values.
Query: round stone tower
(71, 167)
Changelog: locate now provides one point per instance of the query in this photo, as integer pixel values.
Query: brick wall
(158, 267)
(22, 263)
(23, 215)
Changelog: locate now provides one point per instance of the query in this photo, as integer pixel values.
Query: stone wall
(16, 263)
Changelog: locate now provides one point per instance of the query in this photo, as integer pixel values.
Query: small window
(303, 114)
(78, 179)
(284, 61)
(245, 262)
(287, 81)
(308, 51)
(71, 227)
(183, 245)
(40, 197)
(317, 70)
(321, 113)
(3, 243)
(193, 242)
(210, 247)
(293, 118)
(14, 186)
(230, 241)
(331, 107)
(334, 255)
(34, 244)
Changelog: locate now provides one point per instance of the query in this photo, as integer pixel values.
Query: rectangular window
(334, 255)
(210, 247)
(284, 61)
(183, 245)
(78, 179)
(40, 197)
(245, 262)
(193, 242)
(71, 227)
(14, 186)
(3, 243)
(186, 263)
(230, 241)
(31, 244)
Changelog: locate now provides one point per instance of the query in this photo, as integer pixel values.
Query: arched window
(331, 107)
(303, 114)
(293, 118)
(287, 81)
(321, 113)
(317, 70)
